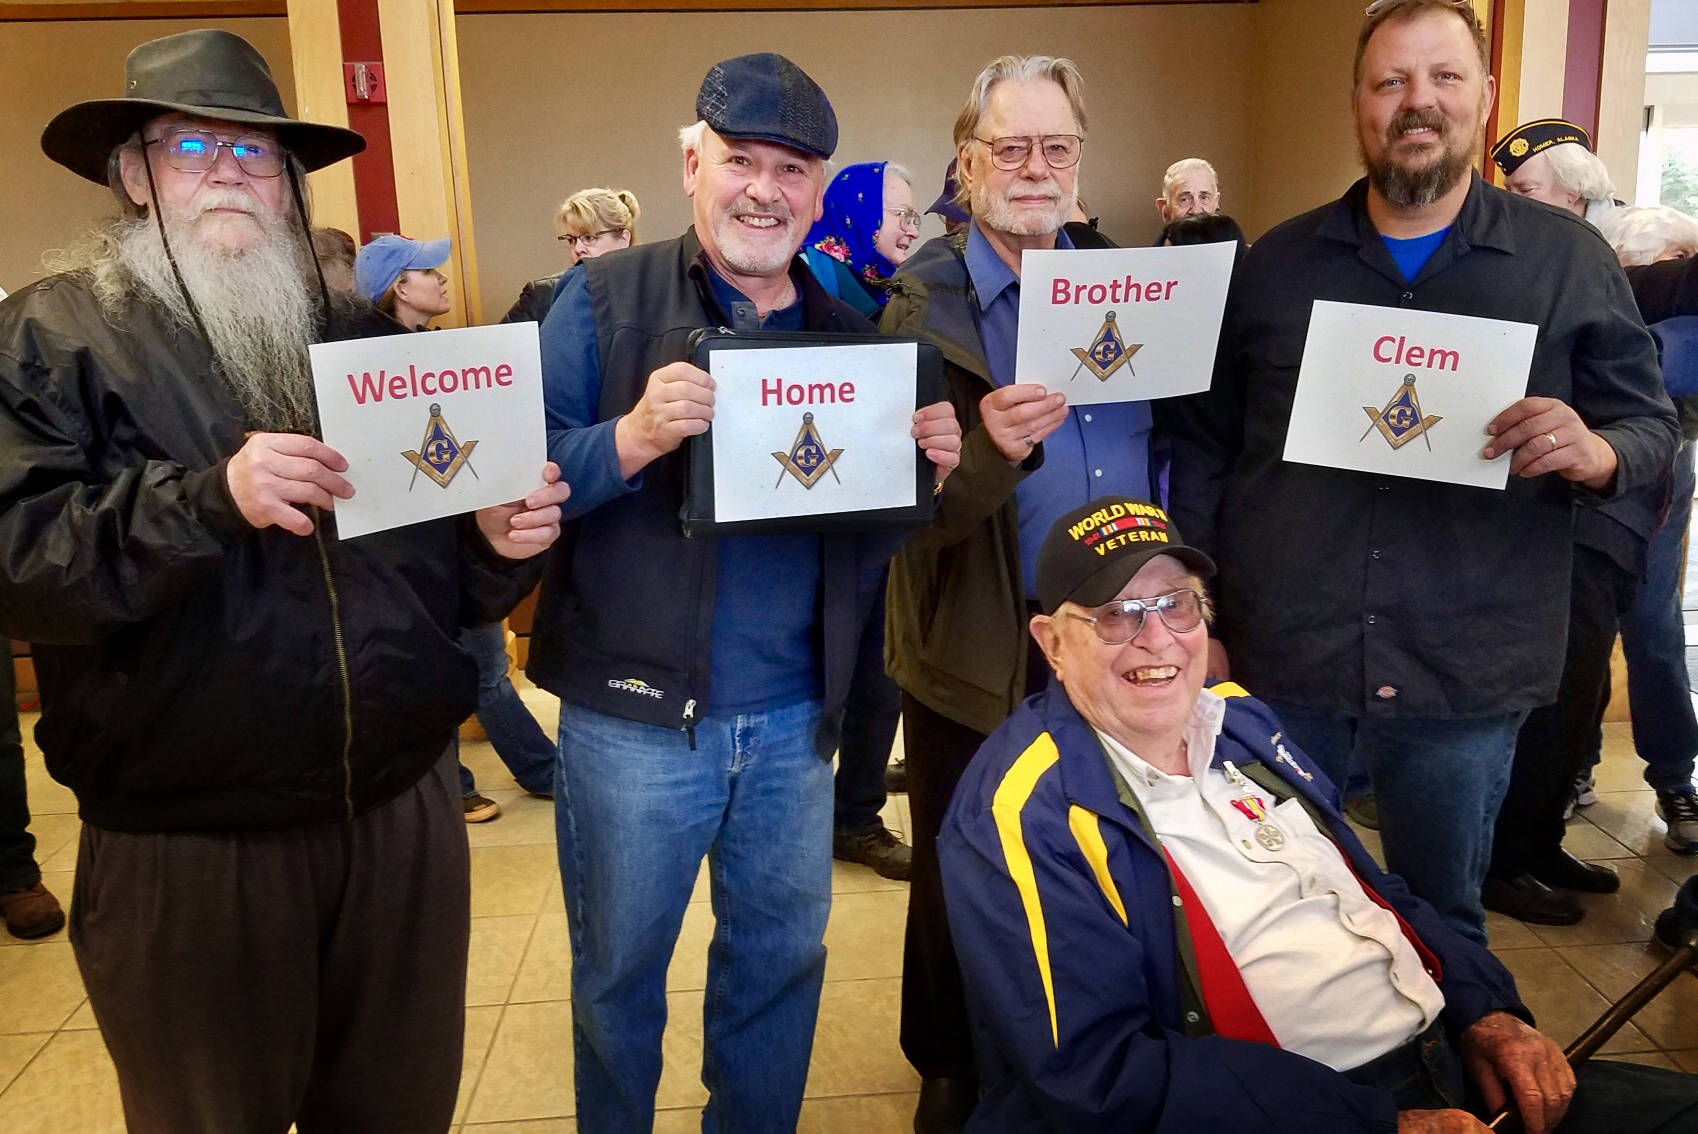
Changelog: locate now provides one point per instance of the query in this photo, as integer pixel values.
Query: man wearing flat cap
(1165, 923)
(701, 680)
(272, 905)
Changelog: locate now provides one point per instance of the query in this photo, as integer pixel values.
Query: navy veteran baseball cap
(1094, 550)
(769, 99)
(1521, 143)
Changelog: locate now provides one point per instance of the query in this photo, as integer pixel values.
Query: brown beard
(1407, 188)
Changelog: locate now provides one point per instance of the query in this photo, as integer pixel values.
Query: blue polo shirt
(1098, 450)
(766, 591)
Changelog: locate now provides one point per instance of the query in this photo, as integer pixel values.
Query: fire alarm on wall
(364, 83)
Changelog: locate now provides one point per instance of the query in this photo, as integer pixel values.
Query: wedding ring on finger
(1030, 444)
(1551, 437)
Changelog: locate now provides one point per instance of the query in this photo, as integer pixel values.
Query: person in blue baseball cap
(402, 278)
(702, 681)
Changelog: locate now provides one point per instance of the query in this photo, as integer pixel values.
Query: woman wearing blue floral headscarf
(867, 229)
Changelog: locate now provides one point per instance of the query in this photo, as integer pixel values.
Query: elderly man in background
(1189, 188)
(960, 593)
(1552, 161)
(1411, 625)
(272, 899)
(702, 681)
(1166, 924)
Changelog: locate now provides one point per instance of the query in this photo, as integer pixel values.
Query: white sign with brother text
(1409, 393)
(809, 431)
(432, 424)
(1122, 324)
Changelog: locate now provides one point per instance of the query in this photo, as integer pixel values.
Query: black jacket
(197, 674)
(1362, 595)
(627, 600)
(533, 301)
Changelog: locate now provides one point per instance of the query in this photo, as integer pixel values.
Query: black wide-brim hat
(207, 73)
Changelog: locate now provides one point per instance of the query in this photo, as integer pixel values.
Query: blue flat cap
(770, 99)
(380, 263)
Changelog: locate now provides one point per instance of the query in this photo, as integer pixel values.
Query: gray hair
(1648, 234)
(1170, 179)
(1579, 170)
(1064, 73)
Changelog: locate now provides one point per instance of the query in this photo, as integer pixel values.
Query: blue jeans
(1439, 784)
(517, 738)
(1653, 639)
(636, 809)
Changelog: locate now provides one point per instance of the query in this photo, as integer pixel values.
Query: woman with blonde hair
(591, 223)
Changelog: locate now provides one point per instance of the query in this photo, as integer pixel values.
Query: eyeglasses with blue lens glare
(196, 151)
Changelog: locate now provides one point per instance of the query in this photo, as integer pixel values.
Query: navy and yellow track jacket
(1065, 926)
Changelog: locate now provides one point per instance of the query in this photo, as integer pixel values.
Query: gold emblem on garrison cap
(808, 459)
(440, 455)
(1107, 353)
(1400, 420)
(1518, 147)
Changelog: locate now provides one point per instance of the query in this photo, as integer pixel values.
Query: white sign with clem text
(810, 431)
(1406, 393)
(1122, 324)
(432, 424)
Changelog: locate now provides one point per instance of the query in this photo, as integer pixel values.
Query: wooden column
(315, 47)
(427, 137)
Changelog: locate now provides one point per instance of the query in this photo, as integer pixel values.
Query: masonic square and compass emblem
(1400, 421)
(439, 456)
(1107, 353)
(808, 459)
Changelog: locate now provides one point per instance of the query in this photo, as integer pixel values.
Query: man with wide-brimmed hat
(271, 904)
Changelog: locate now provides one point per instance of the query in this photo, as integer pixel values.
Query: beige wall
(1304, 148)
(1621, 91)
(47, 67)
(554, 103)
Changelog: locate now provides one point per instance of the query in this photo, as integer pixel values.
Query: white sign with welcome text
(1409, 393)
(1122, 324)
(432, 424)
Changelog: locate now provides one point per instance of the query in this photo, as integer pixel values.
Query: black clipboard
(697, 513)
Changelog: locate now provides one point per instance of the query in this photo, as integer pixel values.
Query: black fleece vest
(625, 612)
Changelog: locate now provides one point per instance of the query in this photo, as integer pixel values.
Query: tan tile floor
(55, 1075)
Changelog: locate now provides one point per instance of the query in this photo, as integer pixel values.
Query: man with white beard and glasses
(1412, 624)
(702, 680)
(961, 593)
(271, 907)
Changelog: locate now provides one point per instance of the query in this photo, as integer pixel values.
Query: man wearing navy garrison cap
(701, 680)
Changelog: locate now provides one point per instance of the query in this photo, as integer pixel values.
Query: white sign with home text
(432, 424)
(809, 431)
(1122, 324)
(1407, 393)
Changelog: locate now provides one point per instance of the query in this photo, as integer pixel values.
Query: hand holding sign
(939, 436)
(272, 473)
(1546, 435)
(530, 526)
(1018, 417)
(677, 403)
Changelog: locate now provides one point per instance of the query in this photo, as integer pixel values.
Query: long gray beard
(256, 306)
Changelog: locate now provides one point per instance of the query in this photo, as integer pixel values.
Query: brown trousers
(315, 975)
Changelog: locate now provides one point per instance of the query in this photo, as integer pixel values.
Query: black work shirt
(1363, 594)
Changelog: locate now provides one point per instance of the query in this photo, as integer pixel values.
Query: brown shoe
(480, 808)
(31, 912)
